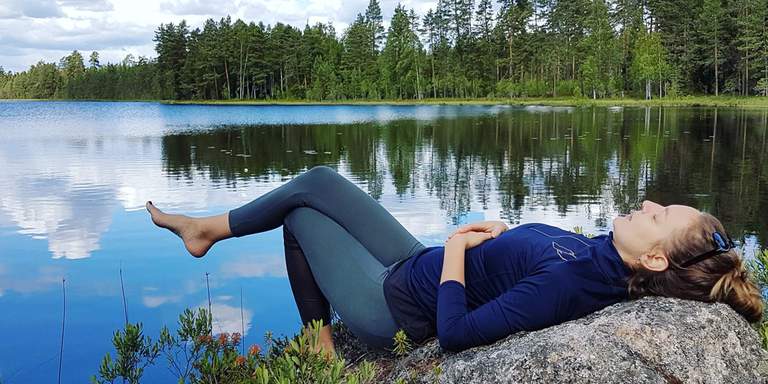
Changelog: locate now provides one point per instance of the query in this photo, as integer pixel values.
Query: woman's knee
(322, 170)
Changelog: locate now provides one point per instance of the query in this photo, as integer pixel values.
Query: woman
(487, 282)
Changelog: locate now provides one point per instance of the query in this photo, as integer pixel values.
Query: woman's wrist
(453, 260)
(458, 241)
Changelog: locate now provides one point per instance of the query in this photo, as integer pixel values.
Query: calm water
(74, 178)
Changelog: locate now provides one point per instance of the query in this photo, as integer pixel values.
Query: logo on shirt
(563, 252)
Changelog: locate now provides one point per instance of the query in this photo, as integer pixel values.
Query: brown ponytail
(720, 278)
(737, 290)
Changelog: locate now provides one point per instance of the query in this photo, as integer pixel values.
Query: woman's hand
(469, 240)
(495, 228)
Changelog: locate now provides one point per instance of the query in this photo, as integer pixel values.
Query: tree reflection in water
(603, 159)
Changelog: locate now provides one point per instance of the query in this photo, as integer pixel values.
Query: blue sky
(31, 30)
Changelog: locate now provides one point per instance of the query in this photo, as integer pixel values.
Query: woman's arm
(535, 302)
(453, 260)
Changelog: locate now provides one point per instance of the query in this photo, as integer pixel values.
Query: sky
(34, 30)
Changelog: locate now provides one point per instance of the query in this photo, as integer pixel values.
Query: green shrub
(758, 270)
(194, 355)
(134, 353)
(402, 345)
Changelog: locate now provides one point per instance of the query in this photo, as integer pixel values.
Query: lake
(74, 177)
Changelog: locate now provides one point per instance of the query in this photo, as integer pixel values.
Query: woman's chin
(617, 220)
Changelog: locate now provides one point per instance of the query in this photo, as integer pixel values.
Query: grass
(686, 101)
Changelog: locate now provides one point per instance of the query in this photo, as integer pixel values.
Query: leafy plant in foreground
(134, 353)
(194, 355)
(402, 345)
(758, 270)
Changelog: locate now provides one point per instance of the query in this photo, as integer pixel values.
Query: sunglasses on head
(723, 244)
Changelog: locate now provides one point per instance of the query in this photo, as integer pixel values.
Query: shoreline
(692, 101)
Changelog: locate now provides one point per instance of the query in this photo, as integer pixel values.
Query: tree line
(458, 49)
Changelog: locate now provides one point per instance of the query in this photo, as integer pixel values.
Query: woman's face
(638, 233)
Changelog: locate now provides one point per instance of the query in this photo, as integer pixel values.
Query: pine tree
(400, 54)
(599, 45)
(171, 47)
(484, 55)
(375, 22)
(710, 33)
(674, 20)
(628, 17)
(512, 22)
(93, 60)
(750, 24)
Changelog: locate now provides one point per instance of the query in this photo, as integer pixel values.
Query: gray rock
(651, 340)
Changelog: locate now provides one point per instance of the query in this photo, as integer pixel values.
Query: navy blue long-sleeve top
(529, 277)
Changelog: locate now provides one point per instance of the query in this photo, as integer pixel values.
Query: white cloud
(195, 7)
(87, 5)
(156, 301)
(255, 266)
(29, 9)
(27, 280)
(31, 30)
(228, 318)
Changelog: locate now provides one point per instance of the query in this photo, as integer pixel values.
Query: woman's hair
(721, 277)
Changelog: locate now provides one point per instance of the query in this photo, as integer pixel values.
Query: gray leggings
(350, 242)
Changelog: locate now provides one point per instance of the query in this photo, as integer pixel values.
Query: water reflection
(507, 163)
(595, 161)
(74, 178)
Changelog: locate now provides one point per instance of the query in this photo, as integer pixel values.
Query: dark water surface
(74, 178)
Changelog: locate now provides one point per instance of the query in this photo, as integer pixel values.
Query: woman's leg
(311, 303)
(198, 233)
(329, 193)
(346, 273)
(320, 188)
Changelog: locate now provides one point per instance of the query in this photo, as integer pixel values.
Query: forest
(459, 49)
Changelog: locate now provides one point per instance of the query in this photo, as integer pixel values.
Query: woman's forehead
(682, 208)
(682, 212)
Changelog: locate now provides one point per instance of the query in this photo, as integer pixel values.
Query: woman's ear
(655, 260)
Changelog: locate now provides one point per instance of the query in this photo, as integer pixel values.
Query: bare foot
(188, 228)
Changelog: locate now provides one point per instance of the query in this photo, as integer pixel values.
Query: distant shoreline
(693, 101)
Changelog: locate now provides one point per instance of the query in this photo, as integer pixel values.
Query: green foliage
(710, 42)
(761, 88)
(401, 57)
(580, 230)
(601, 64)
(650, 63)
(134, 353)
(402, 344)
(758, 271)
(196, 356)
(457, 49)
